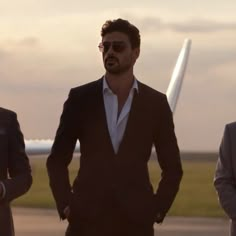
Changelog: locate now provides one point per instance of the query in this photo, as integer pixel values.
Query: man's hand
(67, 212)
(159, 218)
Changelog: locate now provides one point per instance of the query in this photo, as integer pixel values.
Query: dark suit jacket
(225, 174)
(15, 172)
(104, 174)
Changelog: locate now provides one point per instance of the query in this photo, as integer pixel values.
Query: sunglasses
(117, 46)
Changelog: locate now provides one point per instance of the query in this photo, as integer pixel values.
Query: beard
(113, 65)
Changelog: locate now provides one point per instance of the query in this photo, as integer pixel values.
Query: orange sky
(48, 47)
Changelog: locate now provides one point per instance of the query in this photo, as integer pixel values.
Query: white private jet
(38, 147)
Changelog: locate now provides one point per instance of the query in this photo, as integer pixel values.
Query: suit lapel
(100, 115)
(133, 123)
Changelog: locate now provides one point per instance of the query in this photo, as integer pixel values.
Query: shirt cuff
(3, 190)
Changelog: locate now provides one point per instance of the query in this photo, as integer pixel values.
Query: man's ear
(137, 52)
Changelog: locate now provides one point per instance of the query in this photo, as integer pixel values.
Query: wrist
(66, 212)
(2, 190)
(159, 217)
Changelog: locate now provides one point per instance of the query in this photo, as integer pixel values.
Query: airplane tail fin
(175, 84)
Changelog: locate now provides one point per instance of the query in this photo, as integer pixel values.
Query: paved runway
(40, 222)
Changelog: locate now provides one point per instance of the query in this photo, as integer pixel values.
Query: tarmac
(44, 222)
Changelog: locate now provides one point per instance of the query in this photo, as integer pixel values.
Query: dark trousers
(6, 221)
(113, 222)
(109, 228)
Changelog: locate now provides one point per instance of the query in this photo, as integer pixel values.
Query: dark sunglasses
(117, 46)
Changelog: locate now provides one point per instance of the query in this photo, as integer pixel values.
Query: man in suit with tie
(225, 174)
(117, 120)
(15, 171)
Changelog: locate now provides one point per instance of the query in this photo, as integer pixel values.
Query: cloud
(27, 65)
(3, 54)
(29, 42)
(188, 26)
(201, 26)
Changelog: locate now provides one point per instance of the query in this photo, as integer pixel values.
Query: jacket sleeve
(224, 179)
(169, 159)
(19, 170)
(61, 156)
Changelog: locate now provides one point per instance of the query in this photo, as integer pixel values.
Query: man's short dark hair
(125, 27)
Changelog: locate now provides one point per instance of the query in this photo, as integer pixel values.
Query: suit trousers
(110, 226)
(232, 228)
(113, 222)
(6, 221)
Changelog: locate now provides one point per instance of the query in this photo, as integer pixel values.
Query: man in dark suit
(15, 172)
(116, 119)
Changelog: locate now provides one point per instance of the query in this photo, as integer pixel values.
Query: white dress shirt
(116, 125)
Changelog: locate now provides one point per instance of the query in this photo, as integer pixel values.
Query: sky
(49, 46)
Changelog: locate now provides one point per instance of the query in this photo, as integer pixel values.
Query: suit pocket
(84, 207)
(3, 142)
(140, 207)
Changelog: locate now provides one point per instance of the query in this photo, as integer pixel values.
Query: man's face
(118, 55)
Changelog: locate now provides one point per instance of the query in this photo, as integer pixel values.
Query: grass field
(196, 197)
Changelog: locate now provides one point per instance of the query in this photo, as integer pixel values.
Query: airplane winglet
(176, 81)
